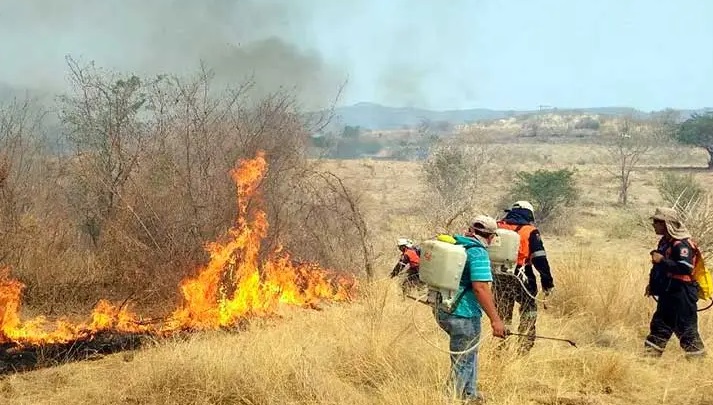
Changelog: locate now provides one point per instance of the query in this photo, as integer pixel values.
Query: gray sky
(504, 54)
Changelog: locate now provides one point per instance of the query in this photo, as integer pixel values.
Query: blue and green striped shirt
(477, 268)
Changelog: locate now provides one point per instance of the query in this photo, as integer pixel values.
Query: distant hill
(379, 117)
(376, 116)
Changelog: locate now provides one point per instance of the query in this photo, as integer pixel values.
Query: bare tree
(21, 157)
(453, 173)
(629, 142)
(102, 116)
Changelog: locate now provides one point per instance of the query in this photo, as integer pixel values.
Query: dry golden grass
(371, 351)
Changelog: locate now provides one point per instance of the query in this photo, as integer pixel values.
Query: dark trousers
(507, 290)
(410, 282)
(676, 314)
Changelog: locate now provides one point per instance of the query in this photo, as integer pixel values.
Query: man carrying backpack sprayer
(522, 286)
(672, 281)
(461, 321)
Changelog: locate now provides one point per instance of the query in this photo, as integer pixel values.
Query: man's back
(477, 268)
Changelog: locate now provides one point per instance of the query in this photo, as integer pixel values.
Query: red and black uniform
(410, 261)
(676, 310)
(508, 290)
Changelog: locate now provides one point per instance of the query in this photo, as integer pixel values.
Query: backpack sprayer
(441, 269)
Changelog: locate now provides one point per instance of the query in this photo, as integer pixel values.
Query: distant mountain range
(376, 116)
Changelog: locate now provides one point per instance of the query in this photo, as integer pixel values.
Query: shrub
(547, 190)
(679, 187)
(452, 174)
(587, 123)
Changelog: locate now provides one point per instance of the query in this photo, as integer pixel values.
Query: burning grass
(235, 285)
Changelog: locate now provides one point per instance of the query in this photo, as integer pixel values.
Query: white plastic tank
(503, 249)
(441, 264)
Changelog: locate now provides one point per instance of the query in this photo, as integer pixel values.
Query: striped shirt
(477, 268)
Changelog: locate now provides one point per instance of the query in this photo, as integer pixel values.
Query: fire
(233, 286)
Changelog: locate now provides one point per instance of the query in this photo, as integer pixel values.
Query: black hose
(697, 310)
(571, 342)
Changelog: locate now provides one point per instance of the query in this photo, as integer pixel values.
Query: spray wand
(507, 332)
(571, 342)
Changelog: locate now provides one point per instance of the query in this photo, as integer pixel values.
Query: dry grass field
(382, 349)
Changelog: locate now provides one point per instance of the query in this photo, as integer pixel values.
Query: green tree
(351, 132)
(698, 131)
(547, 190)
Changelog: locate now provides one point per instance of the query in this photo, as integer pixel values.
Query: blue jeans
(464, 333)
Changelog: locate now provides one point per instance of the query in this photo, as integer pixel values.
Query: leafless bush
(334, 229)
(148, 182)
(453, 173)
(697, 214)
(104, 127)
(21, 169)
(627, 144)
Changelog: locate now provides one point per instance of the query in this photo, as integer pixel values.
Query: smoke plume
(237, 39)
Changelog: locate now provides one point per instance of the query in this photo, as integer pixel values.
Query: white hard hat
(404, 242)
(523, 205)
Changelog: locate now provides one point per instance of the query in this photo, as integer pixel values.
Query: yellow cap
(446, 238)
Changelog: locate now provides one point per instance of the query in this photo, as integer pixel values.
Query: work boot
(695, 355)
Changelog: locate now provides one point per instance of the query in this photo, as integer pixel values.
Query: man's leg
(464, 335)
(410, 283)
(504, 296)
(528, 320)
(661, 327)
(687, 322)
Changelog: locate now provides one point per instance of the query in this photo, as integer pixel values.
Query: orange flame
(233, 286)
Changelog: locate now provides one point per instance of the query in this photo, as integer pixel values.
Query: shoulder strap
(465, 289)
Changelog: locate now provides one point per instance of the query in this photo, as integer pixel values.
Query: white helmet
(404, 242)
(525, 205)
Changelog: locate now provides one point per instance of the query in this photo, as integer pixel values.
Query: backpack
(702, 276)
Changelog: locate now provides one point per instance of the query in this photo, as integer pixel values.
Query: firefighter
(670, 280)
(522, 287)
(463, 322)
(408, 261)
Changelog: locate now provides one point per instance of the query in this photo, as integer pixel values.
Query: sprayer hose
(527, 291)
(421, 334)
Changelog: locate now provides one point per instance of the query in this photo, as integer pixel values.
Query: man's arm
(538, 258)
(482, 292)
(400, 266)
(681, 261)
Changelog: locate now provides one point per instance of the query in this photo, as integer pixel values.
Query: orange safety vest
(413, 258)
(523, 253)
